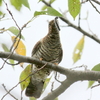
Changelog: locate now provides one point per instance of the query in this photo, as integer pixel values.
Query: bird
(48, 49)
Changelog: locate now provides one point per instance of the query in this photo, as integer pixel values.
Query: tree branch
(59, 90)
(77, 27)
(96, 1)
(80, 29)
(72, 75)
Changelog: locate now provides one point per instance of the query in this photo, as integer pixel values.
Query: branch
(9, 93)
(80, 29)
(76, 75)
(32, 60)
(96, 1)
(72, 75)
(59, 90)
(94, 7)
(77, 27)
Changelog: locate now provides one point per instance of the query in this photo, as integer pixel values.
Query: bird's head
(53, 26)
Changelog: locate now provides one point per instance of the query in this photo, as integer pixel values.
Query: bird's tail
(34, 89)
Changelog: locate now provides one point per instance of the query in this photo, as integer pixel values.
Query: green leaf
(49, 2)
(95, 68)
(56, 99)
(48, 11)
(44, 7)
(0, 2)
(53, 12)
(39, 0)
(1, 13)
(90, 83)
(74, 7)
(37, 13)
(78, 50)
(12, 62)
(25, 3)
(17, 4)
(46, 83)
(5, 48)
(24, 76)
(32, 98)
(15, 31)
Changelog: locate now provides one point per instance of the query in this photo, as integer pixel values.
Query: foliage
(24, 77)
(78, 50)
(18, 4)
(49, 11)
(95, 68)
(74, 7)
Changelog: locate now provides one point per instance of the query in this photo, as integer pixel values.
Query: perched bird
(48, 49)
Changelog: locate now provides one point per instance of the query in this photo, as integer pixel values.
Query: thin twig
(56, 78)
(46, 3)
(9, 93)
(95, 86)
(52, 85)
(5, 61)
(96, 1)
(94, 7)
(10, 63)
(11, 15)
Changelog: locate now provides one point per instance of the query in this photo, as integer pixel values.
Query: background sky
(37, 29)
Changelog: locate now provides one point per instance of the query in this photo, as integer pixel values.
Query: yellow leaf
(20, 47)
(24, 76)
(78, 50)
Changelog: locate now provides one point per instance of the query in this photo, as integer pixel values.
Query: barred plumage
(48, 49)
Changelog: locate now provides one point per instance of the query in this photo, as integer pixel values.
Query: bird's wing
(60, 55)
(36, 47)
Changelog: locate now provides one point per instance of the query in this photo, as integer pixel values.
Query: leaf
(90, 83)
(37, 13)
(0, 2)
(25, 3)
(74, 7)
(53, 12)
(15, 31)
(49, 2)
(17, 4)
(12, 62)
(24, 79)
(19, 45)
(5, 48)
(78, 50)
(44, 7)
(49, 11)
(1, 13)
(39, 0)
(32, 98)
(95, 68)
(46, 83)
(56, 99)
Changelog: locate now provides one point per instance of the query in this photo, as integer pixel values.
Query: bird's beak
(56, 23)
